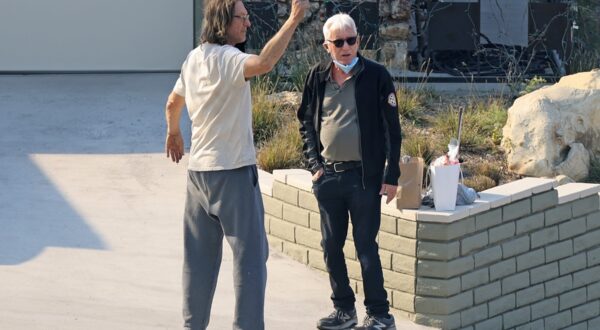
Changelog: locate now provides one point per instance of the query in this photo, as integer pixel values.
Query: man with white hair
(350, 129)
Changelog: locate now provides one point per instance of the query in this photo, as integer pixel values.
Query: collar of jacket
(325, 67)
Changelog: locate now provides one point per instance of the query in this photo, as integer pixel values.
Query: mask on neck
(346, 67)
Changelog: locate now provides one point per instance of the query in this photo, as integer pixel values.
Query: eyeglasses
(243, 17)
(339, 43)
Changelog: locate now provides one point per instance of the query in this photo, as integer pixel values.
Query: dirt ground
(475, 163)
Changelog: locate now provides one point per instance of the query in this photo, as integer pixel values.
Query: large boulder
(556, 129)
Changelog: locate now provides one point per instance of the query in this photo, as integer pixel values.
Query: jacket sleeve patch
(392, 99)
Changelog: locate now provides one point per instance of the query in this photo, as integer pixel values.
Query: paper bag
(410, 183)
(444, 183)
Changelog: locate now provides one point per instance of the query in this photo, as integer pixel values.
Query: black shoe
(378, 323)
(338, 320)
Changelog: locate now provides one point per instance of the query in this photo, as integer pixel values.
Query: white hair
(338, 22)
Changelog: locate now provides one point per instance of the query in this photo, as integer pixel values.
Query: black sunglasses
(339, 43)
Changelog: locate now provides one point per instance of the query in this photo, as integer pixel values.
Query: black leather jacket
(379, 125)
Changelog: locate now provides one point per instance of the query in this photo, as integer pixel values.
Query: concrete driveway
(91, 209)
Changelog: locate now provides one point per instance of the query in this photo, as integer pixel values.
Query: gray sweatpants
(224, 203)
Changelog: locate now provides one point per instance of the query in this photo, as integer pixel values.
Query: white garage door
(94, 35)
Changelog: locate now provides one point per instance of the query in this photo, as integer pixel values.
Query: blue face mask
(346, 67)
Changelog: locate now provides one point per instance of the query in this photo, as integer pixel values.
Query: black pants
(340, 195)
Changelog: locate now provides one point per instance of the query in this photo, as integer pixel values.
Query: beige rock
(577, 162)
(384, 9)
(563, 179)
(394, 54)
(400, 9)
(555, 129)
(286, 98)
(395, 31)
(582, 80)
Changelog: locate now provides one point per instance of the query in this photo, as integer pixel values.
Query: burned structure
(491, 38)
(468, 39)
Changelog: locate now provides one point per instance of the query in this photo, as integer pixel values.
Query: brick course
(528, 263)
(285, 193)
(544, 201)
(438, 251)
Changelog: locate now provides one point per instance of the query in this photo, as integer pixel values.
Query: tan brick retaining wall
(526, 255)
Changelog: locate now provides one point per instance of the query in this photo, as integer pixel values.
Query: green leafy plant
(479, 182)
(266, 113)
(532, 84)
(412, 103)
(415, 144)
(284, 150)
(482, 125)
(308, 53)
(486, 169)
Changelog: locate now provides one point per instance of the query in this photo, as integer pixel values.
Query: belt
(342, 166)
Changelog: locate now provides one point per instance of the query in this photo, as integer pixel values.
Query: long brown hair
(218, 14)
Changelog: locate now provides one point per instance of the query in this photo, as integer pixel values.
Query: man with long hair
(223, 197)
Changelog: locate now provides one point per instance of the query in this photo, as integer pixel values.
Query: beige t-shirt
(218, 100)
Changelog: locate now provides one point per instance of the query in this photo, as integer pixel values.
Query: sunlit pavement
(91, 209)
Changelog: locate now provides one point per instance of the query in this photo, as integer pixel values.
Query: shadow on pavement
(34, 215)
(67, 114)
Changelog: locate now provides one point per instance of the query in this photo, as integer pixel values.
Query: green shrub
(297, 76)
(479, 182)
(532, 84)
(411, 103)
(284, 150)
(266, 120)
(482, 125)
(483, 168)
(417, 145)
(308, 52)
(267, 114)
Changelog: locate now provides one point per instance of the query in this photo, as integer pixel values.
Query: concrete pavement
(90, 213)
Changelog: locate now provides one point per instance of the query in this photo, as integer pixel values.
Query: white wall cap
(479, 206)
(491, 198)
(543, 184)
(281, 175)
(515, 190)
(408, 214)
(495, 198)
(390, 209)
(301, 180)
(572, 191)
(265, 180)
(431, 215)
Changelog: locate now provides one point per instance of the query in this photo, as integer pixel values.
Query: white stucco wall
(94, 35)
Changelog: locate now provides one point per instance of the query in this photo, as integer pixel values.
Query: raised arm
(274, 49)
